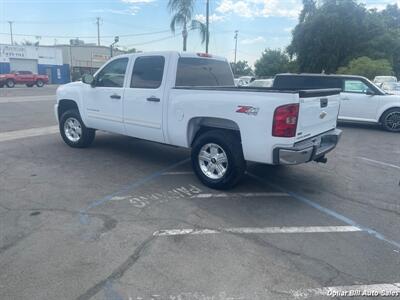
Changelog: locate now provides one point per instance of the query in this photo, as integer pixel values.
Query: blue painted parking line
(83, 214)
(329, 212)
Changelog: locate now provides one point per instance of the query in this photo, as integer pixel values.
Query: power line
(51, 22)
(153, 41)
(87, 36)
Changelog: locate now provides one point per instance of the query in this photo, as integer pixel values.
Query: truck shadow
(374, 127)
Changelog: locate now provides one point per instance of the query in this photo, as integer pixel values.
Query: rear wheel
(217, 159)
(74, 132)
(391, 120)
(10, 83)
(39, 83)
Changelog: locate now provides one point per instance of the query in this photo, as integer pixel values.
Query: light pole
(116, 40)
(11, 32)
(207, 23)
(98, 30)
(236, 38)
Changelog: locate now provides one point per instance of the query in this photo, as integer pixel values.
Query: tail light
(285, 120)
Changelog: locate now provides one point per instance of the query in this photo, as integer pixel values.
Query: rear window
(203, 72)
(306, 82)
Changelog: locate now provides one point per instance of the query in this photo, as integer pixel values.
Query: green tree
(241, 68)
(367, 67)
(333, 33)
(329, 37)
(271, 63)
(131, 50)
(182, 11)
(28, 43)
(309, 9)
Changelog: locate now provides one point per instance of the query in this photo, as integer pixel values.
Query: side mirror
(370, 92)
(88, 79)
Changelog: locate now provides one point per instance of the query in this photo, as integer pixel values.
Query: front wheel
(74, 132)
(10, 83)
(391, 120)
(39, 83)
(217, 159)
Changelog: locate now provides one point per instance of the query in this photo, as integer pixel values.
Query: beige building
(85, 58)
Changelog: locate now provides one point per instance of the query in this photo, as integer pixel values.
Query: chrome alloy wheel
(213, 161)
(73, 129)
(392, 120)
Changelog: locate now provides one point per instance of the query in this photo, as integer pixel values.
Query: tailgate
(318, 112)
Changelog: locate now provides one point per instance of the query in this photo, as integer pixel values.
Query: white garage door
(24, 65)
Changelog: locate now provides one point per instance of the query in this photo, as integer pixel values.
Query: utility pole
(11, 33)
(207, 23)
(98, 30)
(236, 39)
(116, 40)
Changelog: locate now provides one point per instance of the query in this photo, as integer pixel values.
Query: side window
(148, 72)
(355, 86)
(113, 74)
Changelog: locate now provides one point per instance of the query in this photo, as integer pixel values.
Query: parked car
(247, 79)
(188, 100)
(379, 80)
(391, 88)
(261, 83)
(23, 77)
(239, 82)
(361, 100)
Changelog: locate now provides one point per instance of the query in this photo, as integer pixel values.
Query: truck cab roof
(176, 53)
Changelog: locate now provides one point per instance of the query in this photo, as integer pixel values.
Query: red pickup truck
(23, 77)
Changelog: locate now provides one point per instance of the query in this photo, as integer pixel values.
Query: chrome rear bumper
(308, 150)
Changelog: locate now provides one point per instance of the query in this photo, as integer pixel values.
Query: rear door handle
(153, 99)
(115, 96)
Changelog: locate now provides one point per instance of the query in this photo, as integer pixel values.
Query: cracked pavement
(48, 251)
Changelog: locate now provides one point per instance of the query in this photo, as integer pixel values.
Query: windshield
(261, 83)
(391, 86)
(382, 79)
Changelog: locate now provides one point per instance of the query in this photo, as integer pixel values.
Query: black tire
(87, 134)
(29, 84)
(39, 83)
(230, 143)
(390, 116)
(10, 83)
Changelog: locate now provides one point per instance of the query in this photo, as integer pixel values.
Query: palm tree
(182, 16)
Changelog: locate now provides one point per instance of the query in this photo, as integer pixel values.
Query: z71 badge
(248, 110)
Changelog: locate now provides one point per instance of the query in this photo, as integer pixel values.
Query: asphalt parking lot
(127, 219)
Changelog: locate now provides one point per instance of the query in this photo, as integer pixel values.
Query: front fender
(73, 92)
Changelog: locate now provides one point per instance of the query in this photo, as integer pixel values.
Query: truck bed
(302, 93)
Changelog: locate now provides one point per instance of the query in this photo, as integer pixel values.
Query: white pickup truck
(189, 100)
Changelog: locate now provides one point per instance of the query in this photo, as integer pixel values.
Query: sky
(144, 24)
